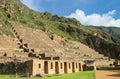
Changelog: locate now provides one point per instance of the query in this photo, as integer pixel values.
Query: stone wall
(12, 68)
(35, 67)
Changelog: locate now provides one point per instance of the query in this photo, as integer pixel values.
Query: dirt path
(100, 74)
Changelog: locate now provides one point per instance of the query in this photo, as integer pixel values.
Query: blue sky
(88, 12)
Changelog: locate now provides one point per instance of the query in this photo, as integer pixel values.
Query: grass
(116, 71)
(79, 75)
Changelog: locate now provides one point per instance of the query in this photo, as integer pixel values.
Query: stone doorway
(79, 67)
(46, 67)
(73, 67)
(56, 67)
(65, 67)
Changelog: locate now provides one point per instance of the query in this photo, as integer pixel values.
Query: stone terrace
(9, 48)
(87, 53)
(40, 43)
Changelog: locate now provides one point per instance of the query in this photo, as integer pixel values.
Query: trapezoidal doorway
(46, 67)
(73, 67)
(65, 67)
(79, 67)
(56, 68)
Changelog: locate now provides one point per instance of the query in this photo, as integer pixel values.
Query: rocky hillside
(69, 28)
(113, 31)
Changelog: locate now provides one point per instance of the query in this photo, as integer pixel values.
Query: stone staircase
(43, 46)
(9, 48)
(34, 43)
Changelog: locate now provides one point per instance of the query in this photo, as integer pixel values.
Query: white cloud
(111, 12)
(96, 19)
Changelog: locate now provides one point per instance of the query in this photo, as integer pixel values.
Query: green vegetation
(116, 71)
(114, 31)
(78, 75)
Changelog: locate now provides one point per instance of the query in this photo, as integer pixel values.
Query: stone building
(38, 67)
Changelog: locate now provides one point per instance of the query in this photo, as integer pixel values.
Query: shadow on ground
(114, 75)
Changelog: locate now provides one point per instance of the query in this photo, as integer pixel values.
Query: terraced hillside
(67, 28)
(29, 41)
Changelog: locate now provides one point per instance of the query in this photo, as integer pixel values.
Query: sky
(88, 12)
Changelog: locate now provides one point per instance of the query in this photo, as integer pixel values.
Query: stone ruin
(42, 55)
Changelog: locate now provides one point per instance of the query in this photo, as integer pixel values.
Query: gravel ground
(101, 74)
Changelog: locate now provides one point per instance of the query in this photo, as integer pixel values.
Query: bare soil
(101, 74)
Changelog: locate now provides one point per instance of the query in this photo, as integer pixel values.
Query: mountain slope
(114, 31)
(69, 28)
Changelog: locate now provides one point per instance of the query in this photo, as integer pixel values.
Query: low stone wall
(108, 68)
(87, 68)
(12, 68)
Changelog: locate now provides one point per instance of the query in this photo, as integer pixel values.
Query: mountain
(113, 31)
(69, 28)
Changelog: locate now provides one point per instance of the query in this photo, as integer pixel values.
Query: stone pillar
(95, 68)
(81, 66)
